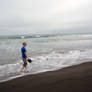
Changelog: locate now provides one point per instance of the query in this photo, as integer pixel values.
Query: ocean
(48, 52)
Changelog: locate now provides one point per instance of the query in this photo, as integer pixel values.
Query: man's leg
(21, 70)
(26, 70)
(25, 65)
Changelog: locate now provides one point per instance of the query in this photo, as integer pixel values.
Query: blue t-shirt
(23, 50)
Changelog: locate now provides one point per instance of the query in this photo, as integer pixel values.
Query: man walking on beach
(24, 57)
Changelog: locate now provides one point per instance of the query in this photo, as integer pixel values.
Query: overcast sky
(45, 16)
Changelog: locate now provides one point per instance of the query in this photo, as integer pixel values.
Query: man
(24, 58)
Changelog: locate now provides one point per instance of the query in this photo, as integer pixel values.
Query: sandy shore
(72, 79)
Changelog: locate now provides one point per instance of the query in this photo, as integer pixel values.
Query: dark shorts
(25, 62)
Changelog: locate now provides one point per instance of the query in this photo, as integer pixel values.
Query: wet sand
(76, 78)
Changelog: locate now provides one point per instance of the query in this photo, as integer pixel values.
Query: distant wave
(46, 35)
(24, 36)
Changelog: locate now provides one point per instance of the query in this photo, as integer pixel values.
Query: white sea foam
(43, 63)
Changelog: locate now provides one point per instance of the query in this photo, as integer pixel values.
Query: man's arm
(26, 54)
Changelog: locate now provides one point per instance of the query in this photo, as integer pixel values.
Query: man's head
(24, 44)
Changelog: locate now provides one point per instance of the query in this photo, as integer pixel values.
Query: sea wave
(43, 63)
(26, 36)
(71, 36)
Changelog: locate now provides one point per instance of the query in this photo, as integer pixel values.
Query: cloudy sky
(45, 16)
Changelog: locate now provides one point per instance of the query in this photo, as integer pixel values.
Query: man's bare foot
(19, 73)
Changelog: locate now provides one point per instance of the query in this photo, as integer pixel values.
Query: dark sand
(72, 79)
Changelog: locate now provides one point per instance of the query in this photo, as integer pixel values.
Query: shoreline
(29, 74)
(77, 78)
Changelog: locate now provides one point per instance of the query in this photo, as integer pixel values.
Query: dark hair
(24, 43)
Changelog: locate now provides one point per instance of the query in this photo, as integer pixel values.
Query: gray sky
(45, 16)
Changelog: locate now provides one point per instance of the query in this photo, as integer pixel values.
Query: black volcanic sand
(76, 78)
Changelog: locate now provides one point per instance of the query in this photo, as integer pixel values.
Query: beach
(77, 78)
(56, 35)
